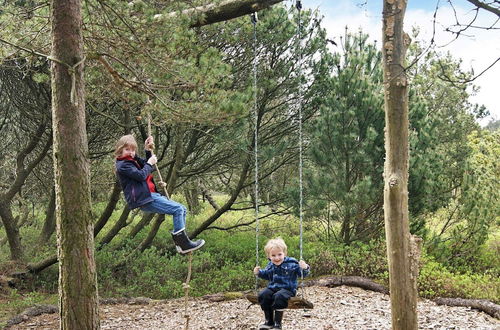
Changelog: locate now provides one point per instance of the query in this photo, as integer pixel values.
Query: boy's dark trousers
(272, 299)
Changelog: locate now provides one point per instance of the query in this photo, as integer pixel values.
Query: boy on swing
(282, 273)
(140, 190)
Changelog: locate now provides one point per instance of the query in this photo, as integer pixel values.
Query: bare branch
(224, 11)
(444, 76)
(486, 7)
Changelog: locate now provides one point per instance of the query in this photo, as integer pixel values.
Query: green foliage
(441, 118)
(435, 280)
(225, 264)
(360, 259)
(346, 147)
(472, 215)
(493, 125)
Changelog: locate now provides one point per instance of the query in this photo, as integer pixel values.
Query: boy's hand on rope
(256, 270)
(303, 265)
(149, 144)
(152, 160)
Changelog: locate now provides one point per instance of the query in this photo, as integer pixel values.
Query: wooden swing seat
(293, 303)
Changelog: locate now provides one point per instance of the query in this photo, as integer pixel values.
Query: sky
(478, 48)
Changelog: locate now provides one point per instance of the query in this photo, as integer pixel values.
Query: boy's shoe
(183, 244)
(278, 317)
(269, 320)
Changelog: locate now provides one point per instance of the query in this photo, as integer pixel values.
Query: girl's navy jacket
(132, 173)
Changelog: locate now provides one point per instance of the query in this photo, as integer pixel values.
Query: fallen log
(293, 303)
(356, 281)
(301, 303)
(483, 305)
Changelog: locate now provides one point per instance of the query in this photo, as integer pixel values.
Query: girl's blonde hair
(277, 242)
(125, 141)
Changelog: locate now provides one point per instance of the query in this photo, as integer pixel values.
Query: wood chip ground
(334, 308)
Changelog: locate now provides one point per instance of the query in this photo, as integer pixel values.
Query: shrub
(435, 280)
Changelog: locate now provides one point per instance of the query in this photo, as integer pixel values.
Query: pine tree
(346, 145)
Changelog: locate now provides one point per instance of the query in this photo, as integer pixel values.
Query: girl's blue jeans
(162, 205)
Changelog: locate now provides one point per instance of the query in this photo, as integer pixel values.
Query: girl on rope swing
(140, 190)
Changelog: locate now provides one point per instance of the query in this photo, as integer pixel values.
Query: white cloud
(478, 48)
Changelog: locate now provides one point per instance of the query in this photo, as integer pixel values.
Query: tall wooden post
(75, 239)
(402, 279)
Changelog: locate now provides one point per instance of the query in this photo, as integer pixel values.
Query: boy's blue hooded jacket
(132, 174)
(283, 276)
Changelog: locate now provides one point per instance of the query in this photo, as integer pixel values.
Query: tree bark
(152, 233)
(224, 11)
(108, 211)
(146, 219)
(206, 194)
(174, 170)
(293, 302)
(122, 222)
(22, 172)
(486, 6)
(356, 281)
(402, 286)
(191, 194)
(11, 231)
(49, 225)
(486, 306)
(227, 205)
(39, 266)
(78, 302)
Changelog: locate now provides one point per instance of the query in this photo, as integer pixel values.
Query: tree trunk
(402, 283)
(234, 195)
(152, 233)
(146, 219)
(108, 211)
(191, 194)
(78, 302)
(49, 224)
(206, 194)
(39, 266)
(178, 161)
(11, 231)
(483, 305)
(122, 222)
(224, 11)
(23, 170)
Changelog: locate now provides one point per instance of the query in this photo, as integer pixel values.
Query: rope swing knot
(72, 73)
